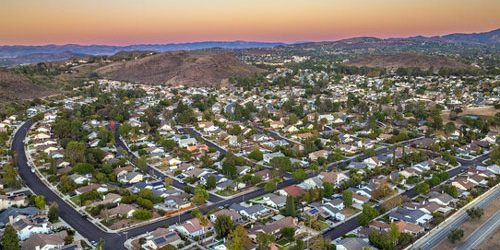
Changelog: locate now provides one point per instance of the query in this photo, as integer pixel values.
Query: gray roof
(353, 243)
(13, 211)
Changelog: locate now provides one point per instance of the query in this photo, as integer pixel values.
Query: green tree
(142, 214)
(369, 213)
(475, 213)
(299, 175)
(264, 240)
(238, 239)
(200, 195)
(451, 190)
(256, 154)
(270, 186)
(40, 202)
(495, 155)
(456, 235)
(53, 213)
(10, 240)
(288, 233)
(347, 197)
(282, 164)
(223, 225)
(75, 152)
(328, 189)
(290, 206)
(211, 182)
(10, 175)
(422, 188)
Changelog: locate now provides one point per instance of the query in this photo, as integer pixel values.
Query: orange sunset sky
(122, 22)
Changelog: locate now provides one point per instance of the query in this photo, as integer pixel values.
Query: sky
(122, 22)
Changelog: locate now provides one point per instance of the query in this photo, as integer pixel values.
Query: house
(12, 200)
(292, 190)
(405, 227)
(274, 227)
(12, 214)
(101, 188)
(352, 244)
(193, 228)
(463, 183)
(26, 227)
(184, 143)
(234, 215)
(131, 177)
(314, 182)
(162, 237)
(44, 241)
(124, 210)
(414, 216)
(274, 201)
(333, 177)
(264, 174)
(79, 179)
(333, 212)
(268, 157)
(359, 200)
(313, 156)
(442, 199)
(110, 198)
(253, 211)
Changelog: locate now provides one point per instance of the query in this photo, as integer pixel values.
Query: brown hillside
(407, 60)
(179, 68)
(17, 87)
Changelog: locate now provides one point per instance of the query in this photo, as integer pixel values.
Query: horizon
(245, 41)
(128, 22)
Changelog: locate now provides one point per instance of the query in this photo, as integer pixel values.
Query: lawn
(226, 192)
(76, 199)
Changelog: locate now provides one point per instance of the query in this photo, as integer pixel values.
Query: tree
(264, 240)
(53, 213)
(10, 240)
(369, 213)
(347, 198)
(66, 184)
(200, 195)
(495, 155)
(142, 214)
(211, 182)
(382, 191)
(455, 235)
(475, 212)
(270, 186)
(319, 243)
(238, 239)
(288, 233)
(167, 182)
(223, 225)
(40, 202)
(328, 189)
(256, 155)
(422, 188)
(290, 206)
(10, 175)
(75, 152)
(451, 190)
(299, 175)
(282, 164)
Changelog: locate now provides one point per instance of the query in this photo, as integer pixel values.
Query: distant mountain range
(17, 54)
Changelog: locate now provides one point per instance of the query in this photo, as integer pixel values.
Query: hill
(407, 61)
(491, 37)
(29, 54)
(15, 87)
(179, 68)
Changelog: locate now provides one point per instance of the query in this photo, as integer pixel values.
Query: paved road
(436, 237)
(481, 233)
